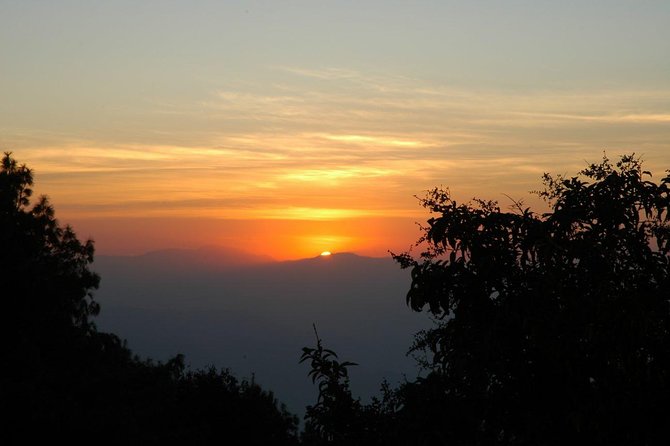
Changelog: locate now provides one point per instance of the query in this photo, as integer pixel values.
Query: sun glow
(325, 253)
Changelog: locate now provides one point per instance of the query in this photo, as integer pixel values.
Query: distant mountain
(210, 257)
(207, 255)
(255, 315)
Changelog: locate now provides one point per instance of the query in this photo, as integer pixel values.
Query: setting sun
(325, 253)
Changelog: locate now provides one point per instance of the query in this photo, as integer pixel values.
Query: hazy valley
(249, 313)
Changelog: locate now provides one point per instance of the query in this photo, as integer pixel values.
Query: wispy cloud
(374, 140)
(642, 118)
(362, 143)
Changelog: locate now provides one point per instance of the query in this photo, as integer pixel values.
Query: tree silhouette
(65, 380)
(334, 418)
(339, 419)
(44, 264)
(553, 328)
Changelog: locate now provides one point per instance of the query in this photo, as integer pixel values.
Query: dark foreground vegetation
(63, 379)
(550, 329)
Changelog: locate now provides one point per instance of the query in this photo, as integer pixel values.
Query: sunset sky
(288, 128)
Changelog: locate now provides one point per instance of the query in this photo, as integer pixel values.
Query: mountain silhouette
(210, 257)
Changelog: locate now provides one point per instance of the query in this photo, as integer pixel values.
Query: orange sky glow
(293, 128)
(279, 239)
(291, 193)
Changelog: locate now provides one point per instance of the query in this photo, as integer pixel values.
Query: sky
(288, 128)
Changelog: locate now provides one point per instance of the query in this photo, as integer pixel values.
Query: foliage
(43, 262)
(337, 418)
(64, 379)
(553, 328)
(333, 418)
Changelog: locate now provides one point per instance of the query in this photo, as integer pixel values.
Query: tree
(335, 418)
(339, 419)
(46, 289)
(45, 269)
(552, 328)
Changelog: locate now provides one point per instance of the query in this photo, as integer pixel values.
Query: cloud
(641, 118)
(338, 143)
(373, 140)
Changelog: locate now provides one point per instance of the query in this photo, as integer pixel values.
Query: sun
(325, 253)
